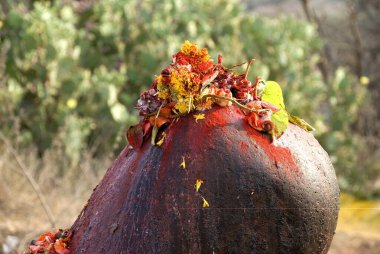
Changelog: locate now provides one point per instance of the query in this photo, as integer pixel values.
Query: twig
(31, 180)
(164, 115)
(325, 59)
(155, 128)
(248, 66)
(306, 9)
(235, 102)
(215, 97)
(233, 67)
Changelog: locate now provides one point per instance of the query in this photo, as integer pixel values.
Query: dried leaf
(135, 136)
(147, 128)
(199, 117)
(261, 121)
(209, 78)
(183, 163)
(198, 184)
(166, 111)
(159, 121)
(205, 203)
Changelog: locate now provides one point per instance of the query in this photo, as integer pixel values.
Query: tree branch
(357, 40)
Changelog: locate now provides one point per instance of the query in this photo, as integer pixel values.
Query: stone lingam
(214, 166)
(262, 198)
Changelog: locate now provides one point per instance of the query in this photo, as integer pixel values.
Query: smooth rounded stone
(262, 198)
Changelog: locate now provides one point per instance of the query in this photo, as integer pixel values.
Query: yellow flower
(181, 82)
(199, 117)
(198, 184)
(205, 203)
(183, 105)
(364, 80)
(188, 47)
(71, 103)
(192, 50)
(163, 91)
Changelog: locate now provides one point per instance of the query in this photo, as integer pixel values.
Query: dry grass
(358, 230)
(359, 216)
(65, 187)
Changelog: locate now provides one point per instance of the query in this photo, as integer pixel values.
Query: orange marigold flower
(163, 91)
(191, 54)
(205, 66)
(183, 82)
(51, 242)
(61, 247)
(183, 105)
(180, 58)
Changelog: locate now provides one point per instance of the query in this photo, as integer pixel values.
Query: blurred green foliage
(72, 70)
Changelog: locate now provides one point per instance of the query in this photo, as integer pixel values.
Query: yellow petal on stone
(199, 117)
(205, 203)
(198, 184)
(161, 141)
(183, 163)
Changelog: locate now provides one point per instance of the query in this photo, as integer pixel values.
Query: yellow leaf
(273, 94)
(183, 163)
(205, 203)
(161, 141)
(198, 184)
(199, 117)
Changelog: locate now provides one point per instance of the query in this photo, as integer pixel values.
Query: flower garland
(193, 82)
(51, 243)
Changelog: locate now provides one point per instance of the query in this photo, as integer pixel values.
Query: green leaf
(154, 134)
(301, 123)
(281, 121)
(272, 93)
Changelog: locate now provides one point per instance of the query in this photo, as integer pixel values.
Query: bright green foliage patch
(272, 93)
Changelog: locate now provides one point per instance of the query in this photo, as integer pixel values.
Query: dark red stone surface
(263, 198)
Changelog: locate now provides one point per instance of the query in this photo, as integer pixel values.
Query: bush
(73, 70)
